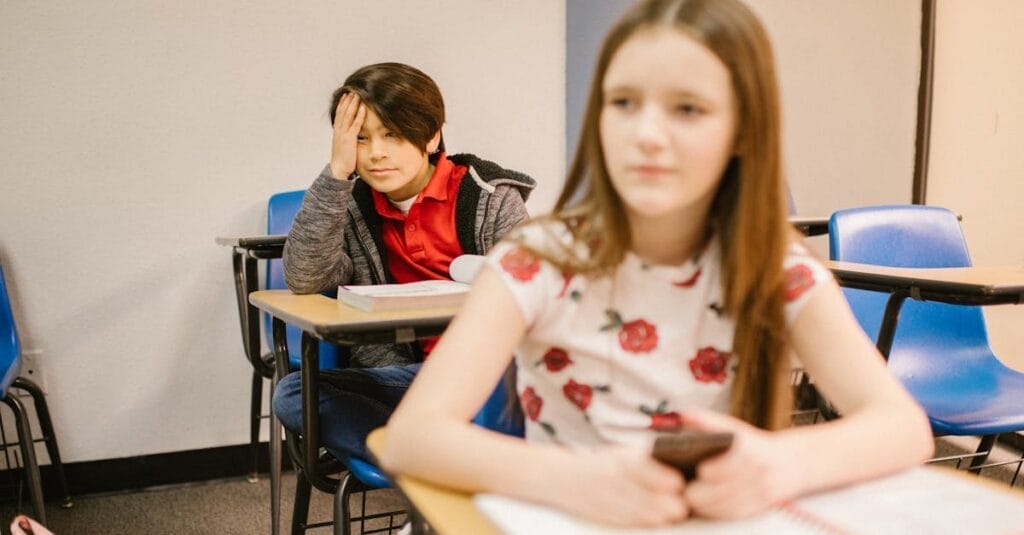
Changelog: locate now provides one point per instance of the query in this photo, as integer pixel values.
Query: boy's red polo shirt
(421, 245)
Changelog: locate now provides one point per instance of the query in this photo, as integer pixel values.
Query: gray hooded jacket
(336, 237)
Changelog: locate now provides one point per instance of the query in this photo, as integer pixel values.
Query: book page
(515, 517)
(921, 500)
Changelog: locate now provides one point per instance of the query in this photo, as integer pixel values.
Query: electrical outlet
(30, 368)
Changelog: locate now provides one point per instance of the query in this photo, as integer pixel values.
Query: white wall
(977, 161)
(134, 133)
(849, 75)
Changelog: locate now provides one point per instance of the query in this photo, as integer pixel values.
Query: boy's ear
(434, 142)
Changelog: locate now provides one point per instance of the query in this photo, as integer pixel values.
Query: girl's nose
(650, 129)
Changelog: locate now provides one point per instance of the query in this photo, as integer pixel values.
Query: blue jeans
(353, 402)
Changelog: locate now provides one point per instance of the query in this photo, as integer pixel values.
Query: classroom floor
(240, 507)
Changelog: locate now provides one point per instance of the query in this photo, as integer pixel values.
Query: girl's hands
(348, 119)
(617, 485)
(753, 475)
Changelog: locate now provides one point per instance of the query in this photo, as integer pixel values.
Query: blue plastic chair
(281, 210)
(10, 367)
(940, 352)
(499, 413)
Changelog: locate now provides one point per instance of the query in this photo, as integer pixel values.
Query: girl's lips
(651, 169)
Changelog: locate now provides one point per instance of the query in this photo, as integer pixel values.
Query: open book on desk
(920, 500)
(422, 294)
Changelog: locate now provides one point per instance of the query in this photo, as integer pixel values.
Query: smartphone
(685, 449)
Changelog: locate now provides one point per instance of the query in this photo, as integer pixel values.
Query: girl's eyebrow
(674, 93)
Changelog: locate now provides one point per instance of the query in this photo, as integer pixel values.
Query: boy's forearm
(314, 254)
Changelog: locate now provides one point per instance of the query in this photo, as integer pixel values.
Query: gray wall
(586, 22)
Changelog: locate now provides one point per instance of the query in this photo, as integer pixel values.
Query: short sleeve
(804, 274)
(533, 281)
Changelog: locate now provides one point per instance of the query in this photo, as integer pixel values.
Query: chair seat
(367, 473)
(982, 398)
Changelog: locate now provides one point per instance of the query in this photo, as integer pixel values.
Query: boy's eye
(360, 139)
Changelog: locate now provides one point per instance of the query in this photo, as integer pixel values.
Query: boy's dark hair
(407, 101)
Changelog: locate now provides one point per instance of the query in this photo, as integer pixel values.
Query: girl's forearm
(469, 458)
(858, 446)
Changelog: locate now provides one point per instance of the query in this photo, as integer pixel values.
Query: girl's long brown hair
(748, 212)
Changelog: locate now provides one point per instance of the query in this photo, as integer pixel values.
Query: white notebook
(920, 500)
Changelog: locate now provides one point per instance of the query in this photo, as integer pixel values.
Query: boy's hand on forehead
(348, 120)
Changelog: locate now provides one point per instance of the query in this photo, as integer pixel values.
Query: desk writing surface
(810, 225)
(447, 511)
(326, 317)
(977, 280)
(252, 241)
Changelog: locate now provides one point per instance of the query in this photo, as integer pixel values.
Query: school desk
(978, 285)
(246, 252)
(810, 226)
(324, 318)
(923, 499)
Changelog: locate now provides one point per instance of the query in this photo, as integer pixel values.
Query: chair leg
(255, 407)
(985, 446)
(49, 436)
(342, 516)
(300, 509)
(28, 455)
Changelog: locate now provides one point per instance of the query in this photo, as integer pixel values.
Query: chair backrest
(920, 237)
(10, 346)
(281, 210)
(501, 411)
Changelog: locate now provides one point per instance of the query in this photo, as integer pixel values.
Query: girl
(665, 291)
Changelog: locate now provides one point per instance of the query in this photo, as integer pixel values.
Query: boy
(391, 207)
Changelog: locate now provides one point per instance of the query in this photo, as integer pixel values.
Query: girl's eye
(689, 110)
(623, 103)
(389, 134)
(360, 139)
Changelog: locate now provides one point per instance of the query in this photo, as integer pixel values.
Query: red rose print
(669, 421)
(580, 394)
(555, 359)
(662, 419)
(519, 263)
(637, 336)
(798, 280)
(709, 365)
(688, 283)
(531, 403)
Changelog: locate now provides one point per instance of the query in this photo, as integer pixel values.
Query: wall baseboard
(136, 473)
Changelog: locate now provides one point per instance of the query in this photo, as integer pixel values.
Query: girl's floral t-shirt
(619, 358)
